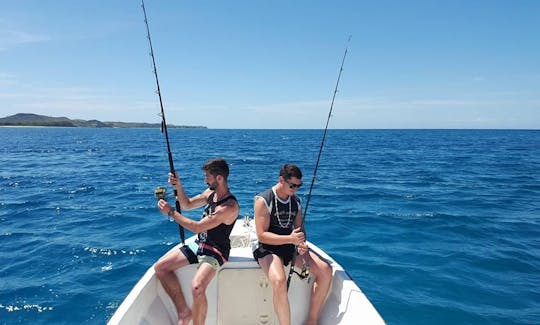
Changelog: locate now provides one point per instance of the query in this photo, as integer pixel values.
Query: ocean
(435, 226)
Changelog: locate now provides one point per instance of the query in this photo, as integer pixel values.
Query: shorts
(285, 252)
(196, 253)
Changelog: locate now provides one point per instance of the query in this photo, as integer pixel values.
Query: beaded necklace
(277, 211)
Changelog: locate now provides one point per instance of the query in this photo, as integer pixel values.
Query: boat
(240, 293)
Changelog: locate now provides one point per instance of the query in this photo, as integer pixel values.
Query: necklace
(277, 212)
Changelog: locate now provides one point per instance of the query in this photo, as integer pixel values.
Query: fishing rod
(304, 215)
(160, 191)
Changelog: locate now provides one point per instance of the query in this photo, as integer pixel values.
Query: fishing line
(160, 191)
(304, 215)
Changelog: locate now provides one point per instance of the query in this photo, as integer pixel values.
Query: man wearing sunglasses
(278, 223)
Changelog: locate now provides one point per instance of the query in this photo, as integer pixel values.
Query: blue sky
(274, 64)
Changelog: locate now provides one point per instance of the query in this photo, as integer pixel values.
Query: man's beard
(212, 186)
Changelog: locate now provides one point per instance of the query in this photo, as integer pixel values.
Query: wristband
(171, 212)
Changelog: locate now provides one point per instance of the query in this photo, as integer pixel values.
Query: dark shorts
(285, 252)
(198, 254)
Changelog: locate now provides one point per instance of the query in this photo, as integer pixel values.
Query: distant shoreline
(151, 126)
(35, 120)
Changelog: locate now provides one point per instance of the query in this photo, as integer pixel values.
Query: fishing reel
(161, 193)
(304, 273)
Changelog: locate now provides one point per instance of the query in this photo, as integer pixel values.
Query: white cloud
(11, 36)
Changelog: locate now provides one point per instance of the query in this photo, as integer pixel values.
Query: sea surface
(435, 226)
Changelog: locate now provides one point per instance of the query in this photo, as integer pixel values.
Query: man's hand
(164, 207)
(174, 180)
(298, 236)
(302, 248)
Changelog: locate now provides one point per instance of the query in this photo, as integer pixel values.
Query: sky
(471, 64)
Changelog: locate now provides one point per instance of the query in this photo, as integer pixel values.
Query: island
(29, 119)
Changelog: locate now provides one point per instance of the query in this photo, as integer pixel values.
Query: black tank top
(281, 223)
(218, 236)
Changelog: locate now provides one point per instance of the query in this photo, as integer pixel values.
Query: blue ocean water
(435, 226)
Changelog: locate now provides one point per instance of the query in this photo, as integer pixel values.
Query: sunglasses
(293, 185)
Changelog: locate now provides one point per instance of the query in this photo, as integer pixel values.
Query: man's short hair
(290, 170)
(217, 166)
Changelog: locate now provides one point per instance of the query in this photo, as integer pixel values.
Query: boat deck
(240, 293)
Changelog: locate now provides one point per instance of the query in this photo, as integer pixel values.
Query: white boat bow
(240, 293)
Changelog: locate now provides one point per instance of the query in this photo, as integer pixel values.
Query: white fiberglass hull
(241, 294)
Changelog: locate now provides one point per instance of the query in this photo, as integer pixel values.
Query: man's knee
(198, 289)
(278, 281)
(325, 271)
(161, 269)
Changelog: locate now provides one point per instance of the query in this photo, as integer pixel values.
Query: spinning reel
(161, 193)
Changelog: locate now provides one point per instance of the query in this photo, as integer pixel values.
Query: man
(278, 222)
(212, 247)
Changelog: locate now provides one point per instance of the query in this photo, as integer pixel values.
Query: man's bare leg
(164, 269)
(323, 278)
(273, 268)
(200, 282)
